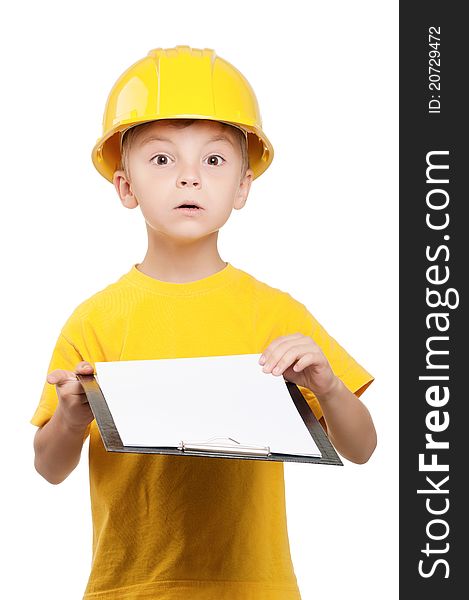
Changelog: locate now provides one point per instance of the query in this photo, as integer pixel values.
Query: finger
(60, 376)
(305, 361)
(273, 346)
(288, 342)
(70, 385)
(290, 356)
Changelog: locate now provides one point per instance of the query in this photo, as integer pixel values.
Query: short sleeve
(65, 355)
(353, 375)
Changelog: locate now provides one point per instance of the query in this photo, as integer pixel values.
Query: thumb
(84, 367)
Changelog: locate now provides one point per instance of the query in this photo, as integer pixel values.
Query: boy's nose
(188, 181)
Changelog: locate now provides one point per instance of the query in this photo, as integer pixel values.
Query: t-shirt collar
(212, 282)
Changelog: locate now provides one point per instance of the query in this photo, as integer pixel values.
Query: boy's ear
(243, 190)
(124, 189)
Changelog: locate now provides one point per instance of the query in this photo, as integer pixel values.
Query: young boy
(182, 127)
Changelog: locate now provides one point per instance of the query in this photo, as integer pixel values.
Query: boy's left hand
(301, 361)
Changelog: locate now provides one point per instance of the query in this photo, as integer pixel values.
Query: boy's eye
(215, 156)
(163, 159)
(159, 156)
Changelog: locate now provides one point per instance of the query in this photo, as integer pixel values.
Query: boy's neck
(175, 261)
(180, 271)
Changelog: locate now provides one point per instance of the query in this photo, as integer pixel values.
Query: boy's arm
(58, 444)
(301, 360)
(348, 423)
(57, 448)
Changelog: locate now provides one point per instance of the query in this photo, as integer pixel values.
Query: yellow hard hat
(180, 83)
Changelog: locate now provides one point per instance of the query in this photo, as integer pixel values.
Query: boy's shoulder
(106, 301)
(277, 297)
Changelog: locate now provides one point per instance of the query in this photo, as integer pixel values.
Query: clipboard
(214, 447)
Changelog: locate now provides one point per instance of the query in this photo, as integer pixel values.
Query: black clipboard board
(230, 448)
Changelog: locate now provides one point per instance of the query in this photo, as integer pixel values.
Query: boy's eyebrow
(155, 138)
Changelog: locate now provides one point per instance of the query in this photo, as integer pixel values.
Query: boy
(182, 128)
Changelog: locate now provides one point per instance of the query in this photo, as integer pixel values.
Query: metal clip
(235, 447)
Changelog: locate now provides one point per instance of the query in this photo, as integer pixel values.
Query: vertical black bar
(433, 289)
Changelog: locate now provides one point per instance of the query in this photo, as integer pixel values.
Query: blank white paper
(165, 401)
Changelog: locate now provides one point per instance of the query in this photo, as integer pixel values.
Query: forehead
(169, 129)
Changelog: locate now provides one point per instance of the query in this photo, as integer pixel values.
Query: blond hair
(129, 136)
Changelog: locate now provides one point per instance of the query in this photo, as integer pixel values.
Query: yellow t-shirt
(171, 527)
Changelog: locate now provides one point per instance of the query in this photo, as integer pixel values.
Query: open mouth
(189, 207)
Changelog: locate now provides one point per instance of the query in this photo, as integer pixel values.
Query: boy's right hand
(73, 403)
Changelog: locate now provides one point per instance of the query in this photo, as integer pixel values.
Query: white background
(321, 223)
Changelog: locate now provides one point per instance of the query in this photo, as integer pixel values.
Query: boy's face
(185, 167)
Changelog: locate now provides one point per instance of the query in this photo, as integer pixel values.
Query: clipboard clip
(230, 446)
